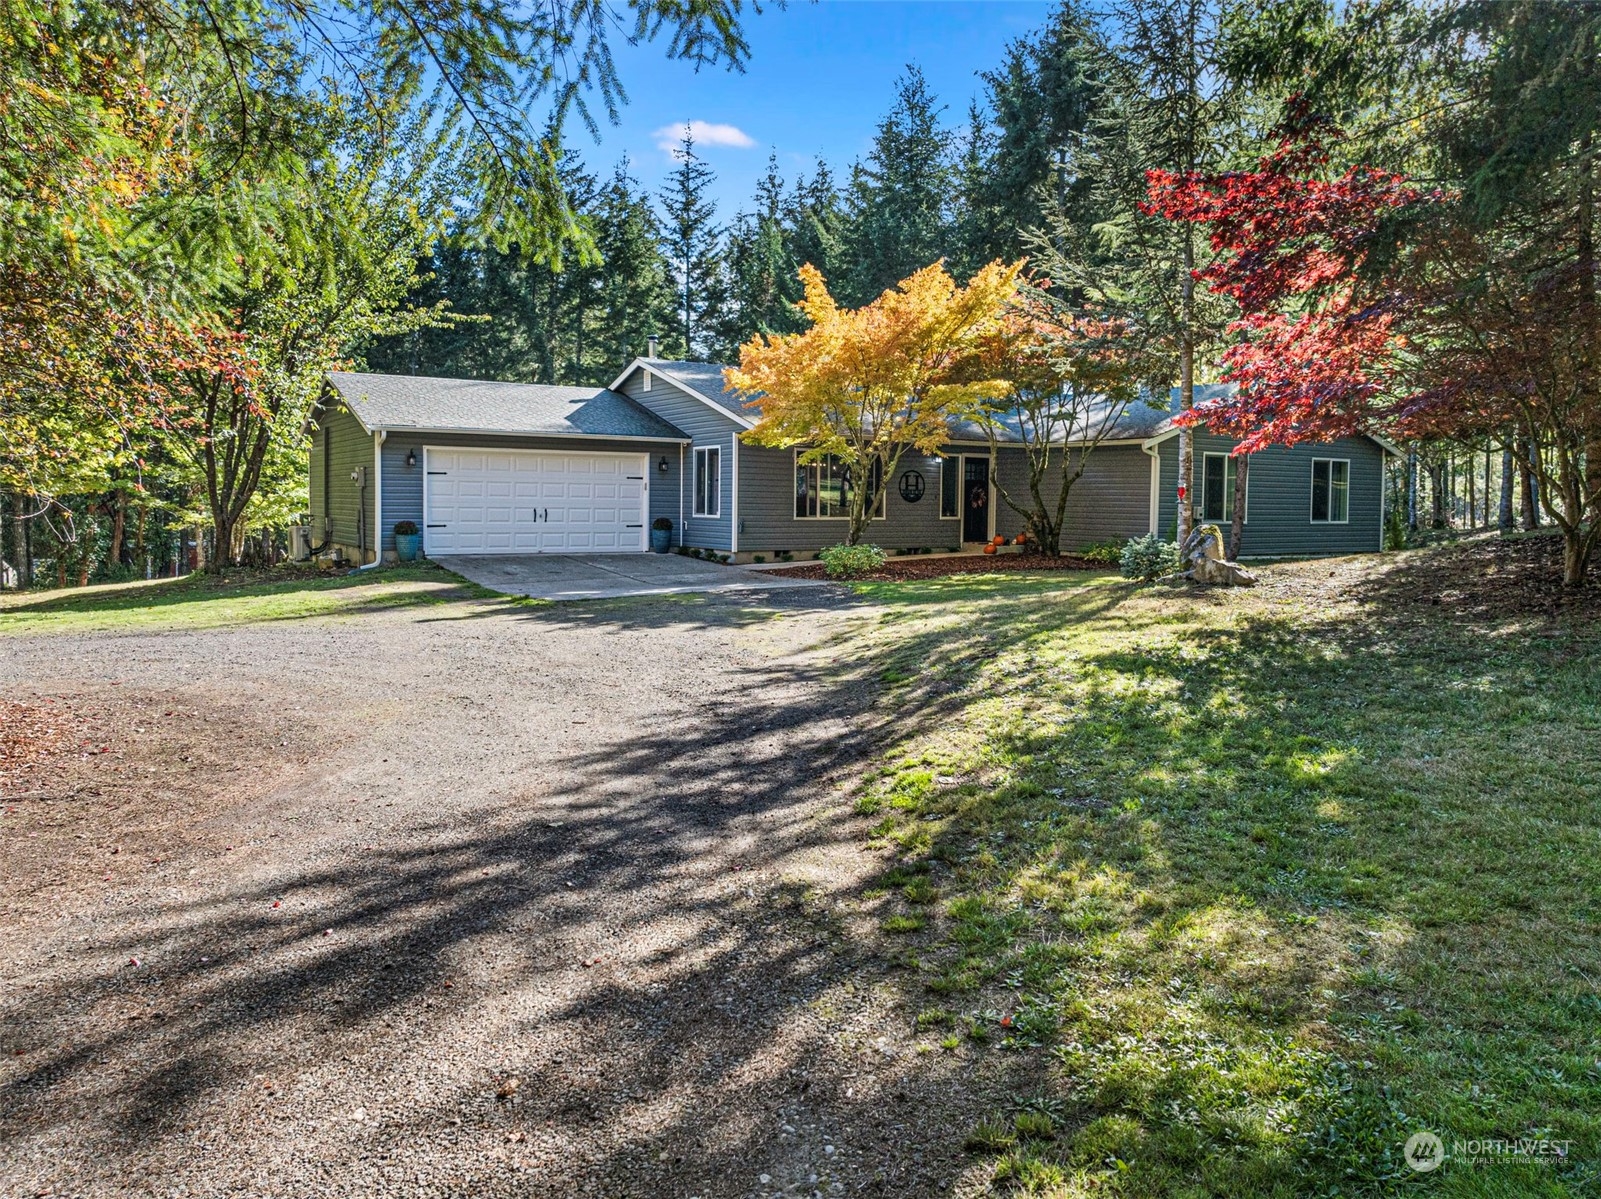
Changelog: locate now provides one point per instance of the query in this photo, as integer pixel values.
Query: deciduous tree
(869, 384)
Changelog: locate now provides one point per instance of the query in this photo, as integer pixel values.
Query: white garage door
(533, 502)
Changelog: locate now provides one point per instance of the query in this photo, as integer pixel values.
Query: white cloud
(705, 133)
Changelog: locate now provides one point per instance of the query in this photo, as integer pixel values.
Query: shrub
(1107, 553)
(1149, 557)
(662, 524)
(851, 561)
(405, 528)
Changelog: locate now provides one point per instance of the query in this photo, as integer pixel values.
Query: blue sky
(820, 78)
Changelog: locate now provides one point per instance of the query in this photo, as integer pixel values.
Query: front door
(975, 499)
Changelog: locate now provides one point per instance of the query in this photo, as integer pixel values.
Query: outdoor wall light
(662, 465)
(411, 457)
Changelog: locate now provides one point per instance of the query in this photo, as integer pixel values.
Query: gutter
(378, 437)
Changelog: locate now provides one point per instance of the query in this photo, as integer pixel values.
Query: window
(823, 489)
(1219, 473)
(708, 481)
(950, 488)
(1331, 491)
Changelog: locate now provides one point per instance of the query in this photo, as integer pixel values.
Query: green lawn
(242, 597)
(1266, 882)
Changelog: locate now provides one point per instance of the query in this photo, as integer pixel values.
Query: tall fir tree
(900, 197)
(693, 241)
(636, 292)
(1044, 98)
(763, 269)
(817, 222)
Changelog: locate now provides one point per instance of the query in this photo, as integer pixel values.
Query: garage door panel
(494, 502)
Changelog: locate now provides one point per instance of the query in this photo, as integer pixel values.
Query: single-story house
(515, 468)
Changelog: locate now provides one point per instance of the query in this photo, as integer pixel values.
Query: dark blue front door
(975, 499)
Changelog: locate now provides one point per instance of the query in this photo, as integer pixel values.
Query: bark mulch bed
(915, 566)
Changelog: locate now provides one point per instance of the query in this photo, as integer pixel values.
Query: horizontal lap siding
(768, 523)
(1111, 501)
(403, 485)
(1279, 509)
(351, 446)
(705, 427)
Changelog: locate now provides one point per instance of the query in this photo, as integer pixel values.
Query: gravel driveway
(465, 899)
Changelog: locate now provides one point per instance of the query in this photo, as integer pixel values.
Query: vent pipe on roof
(653, 347)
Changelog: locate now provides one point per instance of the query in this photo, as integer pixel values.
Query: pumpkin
(989, 549)
(1022, 539)
(999, 540)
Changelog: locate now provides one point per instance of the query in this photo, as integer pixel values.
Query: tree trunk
(1504, 517)
(1412, 491)
(19, 541)
(1473, 495)
(1237, 525)
(1436, 495)
(1487, 459)
(1528, 509)
(119, 523)
(1575, 556)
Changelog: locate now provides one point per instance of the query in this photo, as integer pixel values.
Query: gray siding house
(506, 468)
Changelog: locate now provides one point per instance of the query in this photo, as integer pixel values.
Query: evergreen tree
(817, 223)
(636, 292)
(1164, 103)
(900, 196)
(979, 230)
(763, 268)
(693, 242)
(1044, 98)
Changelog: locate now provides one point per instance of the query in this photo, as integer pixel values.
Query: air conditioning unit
(299, 543)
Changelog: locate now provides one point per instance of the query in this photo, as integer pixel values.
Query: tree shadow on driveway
(635, 980)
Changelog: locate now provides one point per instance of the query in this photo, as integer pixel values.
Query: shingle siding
(347, 446)
(403, 485)
(704, 426)
(1278, 514)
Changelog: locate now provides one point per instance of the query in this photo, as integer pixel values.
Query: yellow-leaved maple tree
(867, 385)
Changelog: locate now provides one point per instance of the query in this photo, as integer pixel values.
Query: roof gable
(701, 381)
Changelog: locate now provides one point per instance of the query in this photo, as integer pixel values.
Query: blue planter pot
(407, 545)
(660, 540)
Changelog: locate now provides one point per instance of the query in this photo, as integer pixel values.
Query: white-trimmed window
(950, 488)
(708, 481)
(1331, 491)
(1219, 473)
(823, 489)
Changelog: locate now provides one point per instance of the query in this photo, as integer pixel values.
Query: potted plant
(661, 534)
(407, 540)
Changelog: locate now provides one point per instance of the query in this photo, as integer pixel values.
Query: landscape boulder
(1202, 555)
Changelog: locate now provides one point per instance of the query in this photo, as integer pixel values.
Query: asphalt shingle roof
(479, 406)
(1140, 419)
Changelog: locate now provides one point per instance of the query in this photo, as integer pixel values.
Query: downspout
(1156, 486)
(377, 498)
(683, 533)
